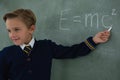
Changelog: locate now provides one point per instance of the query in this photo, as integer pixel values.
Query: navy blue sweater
(15, 65)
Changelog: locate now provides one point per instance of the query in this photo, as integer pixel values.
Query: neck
(28, 41)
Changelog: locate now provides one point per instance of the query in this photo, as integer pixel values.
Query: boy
(29, 59)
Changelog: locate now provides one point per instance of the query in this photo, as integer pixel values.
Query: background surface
(69, 22)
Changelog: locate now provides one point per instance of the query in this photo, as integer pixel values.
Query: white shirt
(31, 43)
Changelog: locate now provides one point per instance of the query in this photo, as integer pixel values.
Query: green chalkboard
(69, 22)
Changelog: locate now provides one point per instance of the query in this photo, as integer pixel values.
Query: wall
(68, 22)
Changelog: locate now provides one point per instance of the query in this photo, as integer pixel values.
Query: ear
(32, 29)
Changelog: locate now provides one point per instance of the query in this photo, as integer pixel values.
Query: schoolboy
(18, 62)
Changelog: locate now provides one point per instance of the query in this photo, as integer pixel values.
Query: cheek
(24, 35)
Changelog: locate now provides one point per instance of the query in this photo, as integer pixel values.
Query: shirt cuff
(90, 43)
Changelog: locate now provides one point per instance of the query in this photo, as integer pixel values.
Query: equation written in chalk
(88, 20)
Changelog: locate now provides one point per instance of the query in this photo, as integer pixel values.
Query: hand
(101, 37)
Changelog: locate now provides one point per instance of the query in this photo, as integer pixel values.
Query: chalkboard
(69, 22)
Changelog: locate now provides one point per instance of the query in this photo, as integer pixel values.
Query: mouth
(15, 39)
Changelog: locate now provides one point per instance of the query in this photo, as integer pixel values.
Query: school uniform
(16, 65)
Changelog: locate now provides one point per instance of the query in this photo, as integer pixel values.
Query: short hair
(25, 15)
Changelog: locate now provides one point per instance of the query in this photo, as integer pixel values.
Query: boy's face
(19, 33)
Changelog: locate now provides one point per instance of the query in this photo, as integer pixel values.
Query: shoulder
(45, 41)
(8, 49)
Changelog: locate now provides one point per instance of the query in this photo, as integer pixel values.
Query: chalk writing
(89, 19)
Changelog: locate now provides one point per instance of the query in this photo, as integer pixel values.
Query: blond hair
(25, 15)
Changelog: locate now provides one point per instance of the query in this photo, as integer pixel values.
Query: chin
(16, 43)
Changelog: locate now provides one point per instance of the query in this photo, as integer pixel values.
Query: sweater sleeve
(82, 49)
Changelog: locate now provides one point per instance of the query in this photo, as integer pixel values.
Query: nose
(12, 35)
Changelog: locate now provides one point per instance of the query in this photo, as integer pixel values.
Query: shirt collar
(31, 43)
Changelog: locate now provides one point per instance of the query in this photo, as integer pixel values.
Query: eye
(8, 30)
(16, 29)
